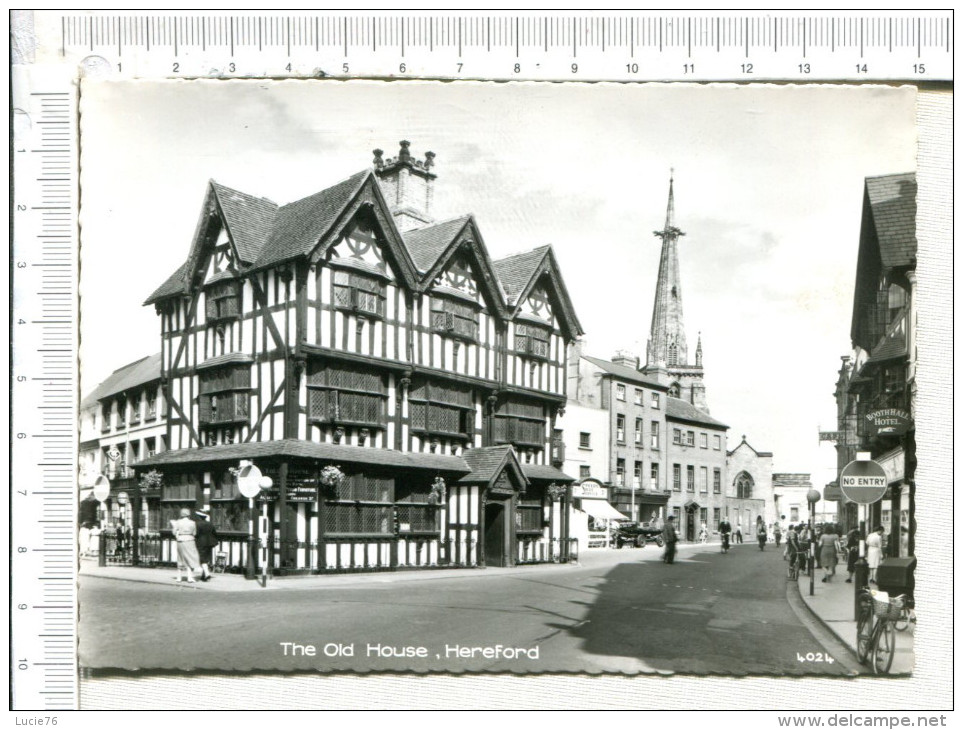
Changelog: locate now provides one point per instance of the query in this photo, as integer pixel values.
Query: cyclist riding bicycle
(725, 529)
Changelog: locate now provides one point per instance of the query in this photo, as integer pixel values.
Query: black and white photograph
(498, 378)
(572, 360)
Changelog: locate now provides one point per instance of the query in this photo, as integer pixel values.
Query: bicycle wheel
(885, 648)
(864, 627)
(903, 622)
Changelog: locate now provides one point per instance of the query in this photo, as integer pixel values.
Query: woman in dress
(852, 553)
(827, 552)
(874, 551)
(185, 530)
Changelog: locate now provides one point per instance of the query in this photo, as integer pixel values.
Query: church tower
(667, 353)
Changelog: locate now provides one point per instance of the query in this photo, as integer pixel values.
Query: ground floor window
(716, 516)
(529, 515)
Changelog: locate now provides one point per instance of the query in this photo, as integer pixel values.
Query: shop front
(593, 517)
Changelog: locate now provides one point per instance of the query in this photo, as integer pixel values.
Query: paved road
(620, 611)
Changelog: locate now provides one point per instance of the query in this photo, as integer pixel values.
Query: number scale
(843, 47)
(43, 489)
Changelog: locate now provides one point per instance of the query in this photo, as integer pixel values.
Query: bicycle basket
(888, 609)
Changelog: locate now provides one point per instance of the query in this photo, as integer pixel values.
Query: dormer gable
(452, 257)
(533, 284)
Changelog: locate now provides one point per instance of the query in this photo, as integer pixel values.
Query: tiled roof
(892, 199)
(485, 462)
(426, 244)
(310, 450)
(173, 286)
(624, 372)
(893, 345)
(791, 480)
(300, 225)
(682, 411)
(248, 219)
(137, 373)
(514, 272)
(549, 473)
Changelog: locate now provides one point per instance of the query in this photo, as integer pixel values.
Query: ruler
(43, 488)
(841, 47)
(611, 47)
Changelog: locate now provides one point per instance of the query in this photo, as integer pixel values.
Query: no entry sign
(863, 482)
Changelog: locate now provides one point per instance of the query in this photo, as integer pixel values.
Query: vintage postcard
(501, 380)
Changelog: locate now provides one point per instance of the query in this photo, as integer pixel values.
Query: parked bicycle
(877, 617)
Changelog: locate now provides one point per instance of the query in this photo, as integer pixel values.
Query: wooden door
(495, 534)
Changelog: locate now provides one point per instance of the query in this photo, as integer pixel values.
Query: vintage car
(636, 534)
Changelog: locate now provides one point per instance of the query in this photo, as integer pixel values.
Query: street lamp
(812, 496)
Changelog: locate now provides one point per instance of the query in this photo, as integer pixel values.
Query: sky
(768, 189)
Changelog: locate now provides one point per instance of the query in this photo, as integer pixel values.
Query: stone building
(400, 388)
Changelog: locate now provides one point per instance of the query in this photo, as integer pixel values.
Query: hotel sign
(863, 482)
(889, 422)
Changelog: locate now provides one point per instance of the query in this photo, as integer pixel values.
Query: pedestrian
(874, 551)
(206, 541)
(761, 533)
(852, 552)
(828, 552)
(805, 543)
(739, 534)
(704, 534)
(777, 533)
(185, 532)
(669, 537)
(725, 529)
(792, 548)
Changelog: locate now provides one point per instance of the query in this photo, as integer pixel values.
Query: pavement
(832, 604)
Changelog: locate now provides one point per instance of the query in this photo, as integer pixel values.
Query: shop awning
(600, 509)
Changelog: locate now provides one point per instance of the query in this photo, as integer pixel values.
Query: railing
(533, 550)
(333, 555)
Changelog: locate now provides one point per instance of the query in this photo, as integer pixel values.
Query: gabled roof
(487, 462)
(249, 220)
(135, 374)
(623, 372)
(515, 272)
(520, 272)
(892, 199)
(426, 245)
(300, 225)
(462, 234)
(677, 409)
(176, 284)
(748, 446)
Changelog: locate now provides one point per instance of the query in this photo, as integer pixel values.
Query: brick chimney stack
(626, 359)
(408, 185)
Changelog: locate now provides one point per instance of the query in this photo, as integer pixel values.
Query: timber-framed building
(351, 330)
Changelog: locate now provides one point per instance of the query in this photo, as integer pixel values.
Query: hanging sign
(889, 422)
(863, 482)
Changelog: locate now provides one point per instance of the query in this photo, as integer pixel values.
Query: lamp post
(812, 496)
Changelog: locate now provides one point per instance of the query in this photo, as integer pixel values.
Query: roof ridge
(361, 173)
(212, 181)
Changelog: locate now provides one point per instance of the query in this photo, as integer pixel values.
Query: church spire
(667, 342)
